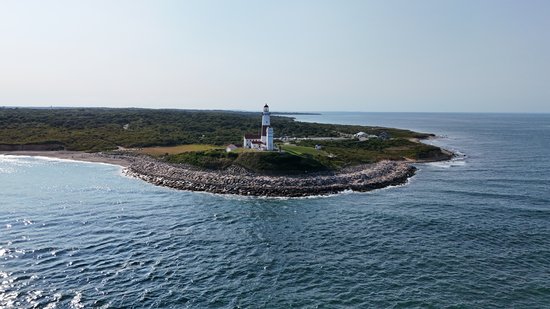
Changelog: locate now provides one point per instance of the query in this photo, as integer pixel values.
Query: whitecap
(76, 301)
(448, 164)
(309, 197)
(14, 161)
(24, 160)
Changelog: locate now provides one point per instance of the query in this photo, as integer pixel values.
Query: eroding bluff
(238, 181)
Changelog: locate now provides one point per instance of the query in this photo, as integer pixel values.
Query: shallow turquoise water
(470, 233)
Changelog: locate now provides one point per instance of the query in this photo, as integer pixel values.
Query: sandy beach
(73, 155)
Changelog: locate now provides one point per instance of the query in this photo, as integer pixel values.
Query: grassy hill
(254, 161)
(304, 158)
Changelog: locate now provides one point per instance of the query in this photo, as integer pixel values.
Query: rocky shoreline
(240, 182)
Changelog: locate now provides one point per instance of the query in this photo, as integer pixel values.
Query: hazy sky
(440, 55)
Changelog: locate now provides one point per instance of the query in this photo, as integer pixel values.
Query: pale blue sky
(438, 55)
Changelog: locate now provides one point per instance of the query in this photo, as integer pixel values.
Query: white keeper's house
(263, 141)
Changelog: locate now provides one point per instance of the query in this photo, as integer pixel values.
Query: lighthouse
(267, 130)
(263, 141)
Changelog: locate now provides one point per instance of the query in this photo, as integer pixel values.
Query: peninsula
(215, 151)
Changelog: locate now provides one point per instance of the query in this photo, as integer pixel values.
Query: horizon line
(273, 112)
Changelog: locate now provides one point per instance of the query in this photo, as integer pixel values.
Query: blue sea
(469, 233)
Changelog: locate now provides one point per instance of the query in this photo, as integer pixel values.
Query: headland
(177, 149)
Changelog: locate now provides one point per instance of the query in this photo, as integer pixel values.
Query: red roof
(252, 136)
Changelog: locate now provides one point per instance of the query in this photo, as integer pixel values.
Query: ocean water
(470, 233)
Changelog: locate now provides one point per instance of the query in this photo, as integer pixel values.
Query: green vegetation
(159, 151)
(199, 138)
(302, 150)
(341, 153)
(209, 159)
(304, 158)
(255, 161)
(279, 163)
(97, 129)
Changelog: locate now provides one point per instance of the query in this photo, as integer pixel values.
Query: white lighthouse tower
(264, 140)
(267, 130)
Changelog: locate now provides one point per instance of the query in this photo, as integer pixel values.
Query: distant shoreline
(299, 114)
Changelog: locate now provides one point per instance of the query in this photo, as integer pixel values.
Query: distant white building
(263, 141)
(231, 147)
(362, 136)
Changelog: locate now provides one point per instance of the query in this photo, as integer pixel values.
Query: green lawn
(302, 150)
(159, 151)
(303, 158)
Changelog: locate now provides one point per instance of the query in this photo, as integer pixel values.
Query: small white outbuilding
(231, 147)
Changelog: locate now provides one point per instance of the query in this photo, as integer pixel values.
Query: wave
(10, 163)
(458, 160)
(406, 183)
(310, 197)
(447, 164)
(13, 159)
(17, 159)
(270, 198)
